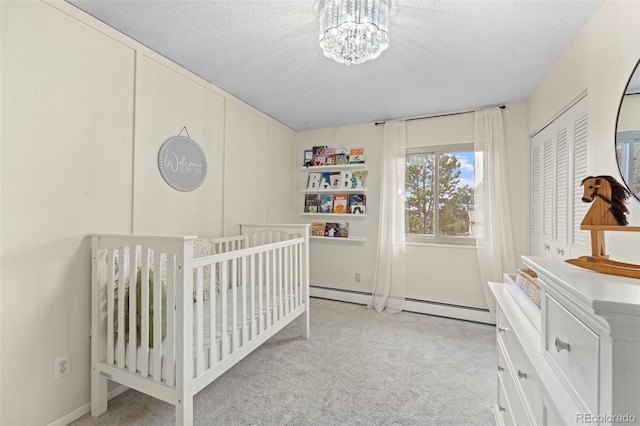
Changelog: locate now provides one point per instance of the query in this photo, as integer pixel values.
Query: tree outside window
(439, 184)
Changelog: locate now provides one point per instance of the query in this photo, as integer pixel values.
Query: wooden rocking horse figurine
(608, 213)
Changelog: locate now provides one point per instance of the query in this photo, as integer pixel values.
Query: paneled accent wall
(84, 112)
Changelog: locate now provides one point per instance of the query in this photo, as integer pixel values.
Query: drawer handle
(501, 408)
(502, 329)
(560, 252)
(500, 368)
(547, 247)
(560, 345)
(522, 375)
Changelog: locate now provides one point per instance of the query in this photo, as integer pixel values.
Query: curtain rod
(435, 116)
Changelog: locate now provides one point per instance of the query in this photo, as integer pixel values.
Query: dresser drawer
(504, 411)
(574, 348)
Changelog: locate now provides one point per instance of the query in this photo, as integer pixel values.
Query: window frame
(435, 238)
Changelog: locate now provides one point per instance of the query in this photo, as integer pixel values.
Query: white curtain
(390, 286)
(493, 229)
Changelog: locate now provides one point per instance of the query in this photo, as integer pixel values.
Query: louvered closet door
(558, 165)
(580, 242)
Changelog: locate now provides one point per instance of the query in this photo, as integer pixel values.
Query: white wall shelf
(348, 239)
(334, 191)
(334, 167)
(344, 215)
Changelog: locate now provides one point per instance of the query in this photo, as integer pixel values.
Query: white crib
(208, 312)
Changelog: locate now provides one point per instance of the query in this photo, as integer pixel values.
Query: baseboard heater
(465, 313)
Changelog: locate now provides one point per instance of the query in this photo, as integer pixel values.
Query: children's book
(344, 149)
(331, 229)
(325, 181)
(313, 180)
(330, 156)
(311, 203)
(357, 203)
(318, 157)
(343, 231)
(356, 156)
(308, 158)
(340, 203)
(346, 179)
(317, 229)
(326, 203)
(336, 180)
(360, 177)
(342, 159)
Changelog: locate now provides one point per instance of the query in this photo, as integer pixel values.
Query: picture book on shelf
(326, 203)
(357, 203)
(340, 203)
(331, 229)
(308, 158)
(342, 159)
(346, 179)
(344, 149)
(317, 229)
(336, 180)
(313, 180)
(343, 231)
(319, 158)
(329, 155)
(325, 181)
(356, 156)
(311, 203)
(358, 178)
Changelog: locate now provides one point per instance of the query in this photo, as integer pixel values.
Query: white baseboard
(85, 409)
(418, 306)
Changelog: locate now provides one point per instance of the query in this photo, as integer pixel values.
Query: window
(441, 213)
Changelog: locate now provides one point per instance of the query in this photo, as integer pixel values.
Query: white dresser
(574, 360)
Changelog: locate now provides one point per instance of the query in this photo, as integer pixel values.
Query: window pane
(455, 183)
(419, 194)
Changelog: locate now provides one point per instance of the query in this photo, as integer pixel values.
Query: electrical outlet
(357, 277)
(61, 367)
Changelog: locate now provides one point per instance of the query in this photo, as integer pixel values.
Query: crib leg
(98, 393)
(184, 412)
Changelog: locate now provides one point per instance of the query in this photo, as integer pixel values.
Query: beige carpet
(358, 368)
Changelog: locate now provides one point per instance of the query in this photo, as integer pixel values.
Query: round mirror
(628, 134)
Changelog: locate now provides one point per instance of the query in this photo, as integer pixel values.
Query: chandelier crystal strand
(353, 31)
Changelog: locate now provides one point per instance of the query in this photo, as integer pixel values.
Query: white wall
(437, 273)
(84, 111)
(600, 60)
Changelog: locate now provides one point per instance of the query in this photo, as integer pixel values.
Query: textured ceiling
(443, 56)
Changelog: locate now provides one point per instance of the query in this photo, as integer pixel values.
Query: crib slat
(243, 279)
(287, 281)
(213, 359)
(260, 286)
(144, 313)
(224, 350)
(281, 278)
(133, 338)
(234, 304)
(267, 289)
(157, 317)
(171, 313)
(121, 296)
(252, 296)
(110, 306)
(274, 286)
(199, 323)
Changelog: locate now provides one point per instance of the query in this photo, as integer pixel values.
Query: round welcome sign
(182, 163)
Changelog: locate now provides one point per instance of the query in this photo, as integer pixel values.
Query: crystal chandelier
(353, 31)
